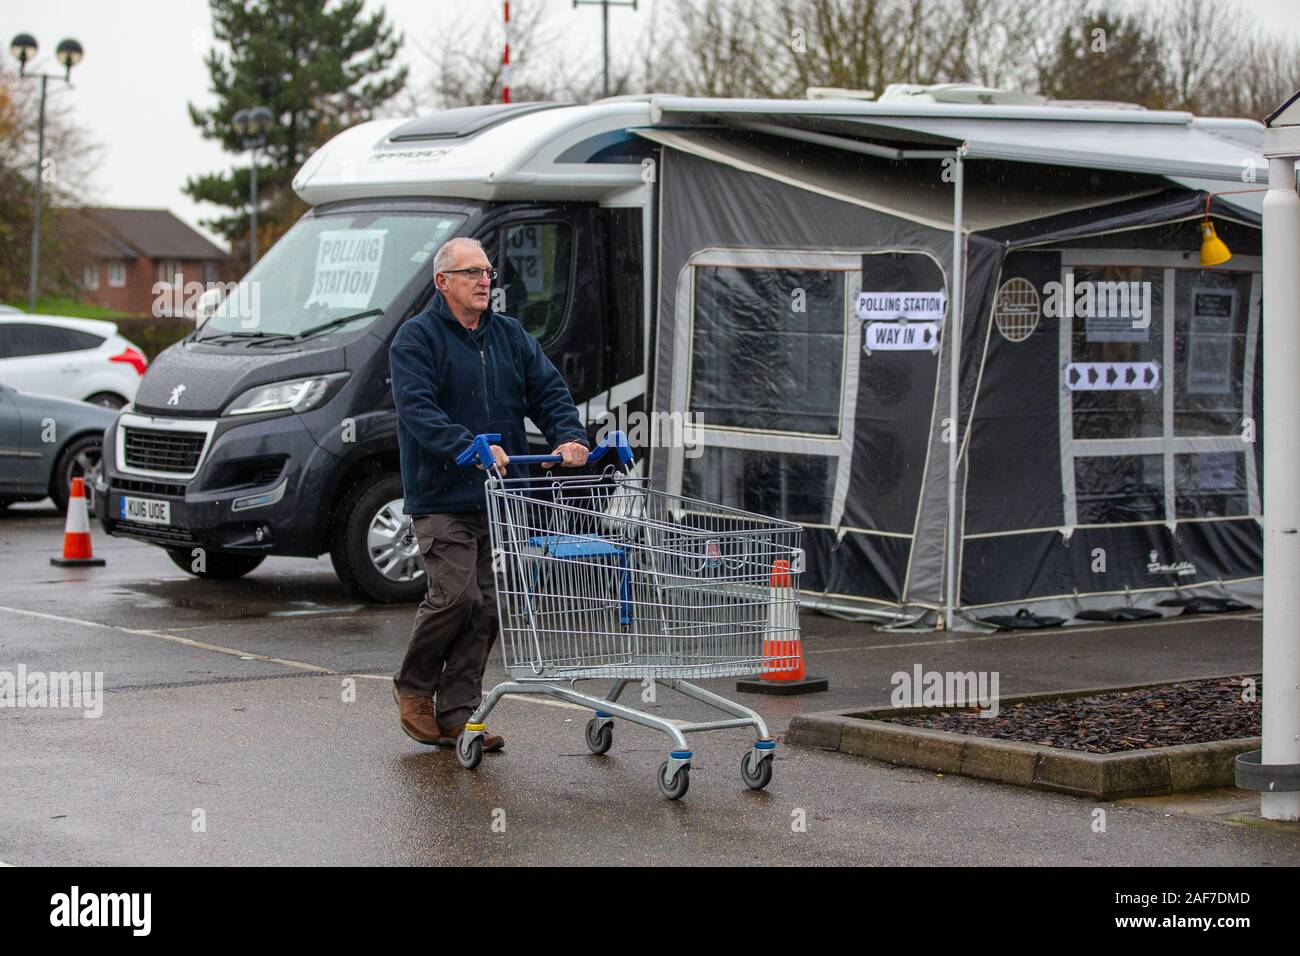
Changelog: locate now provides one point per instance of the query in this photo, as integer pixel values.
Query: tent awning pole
(1281, 434)
(954, 379)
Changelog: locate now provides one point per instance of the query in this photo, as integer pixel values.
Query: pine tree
(1107, 56)
(318, 70)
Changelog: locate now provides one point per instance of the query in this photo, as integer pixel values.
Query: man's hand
(574, 454)
(502, 460)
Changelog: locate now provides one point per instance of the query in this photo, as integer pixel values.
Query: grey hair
(442, 258)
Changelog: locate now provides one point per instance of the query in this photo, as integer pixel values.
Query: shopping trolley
(598, 576)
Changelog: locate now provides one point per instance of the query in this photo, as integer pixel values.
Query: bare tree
(1202, 42)
(1011, 44)
(70, 158)
(1273, 76)
(467, 68)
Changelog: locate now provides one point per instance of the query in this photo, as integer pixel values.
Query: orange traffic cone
(76, 532)
(783, 672)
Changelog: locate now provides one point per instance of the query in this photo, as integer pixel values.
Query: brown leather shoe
(491, 742)
(417, 718)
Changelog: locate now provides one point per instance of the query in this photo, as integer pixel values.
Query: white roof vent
(1097, 105)
(970, 94)
(838, 93)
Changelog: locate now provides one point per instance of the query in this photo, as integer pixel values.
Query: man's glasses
(472, 273)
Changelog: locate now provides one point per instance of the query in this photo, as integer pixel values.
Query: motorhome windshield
(330, 273)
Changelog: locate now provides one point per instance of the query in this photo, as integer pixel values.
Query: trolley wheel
(758, 779)
(675, 788)
(600, 735)
(469, 749)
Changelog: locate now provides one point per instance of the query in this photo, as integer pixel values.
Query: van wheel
(372, 544)
(217, 565)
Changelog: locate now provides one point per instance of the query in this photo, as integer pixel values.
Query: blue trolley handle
(479, 452)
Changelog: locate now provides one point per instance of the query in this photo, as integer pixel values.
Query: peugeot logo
(176, 395)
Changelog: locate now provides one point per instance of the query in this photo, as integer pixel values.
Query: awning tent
(769, 230)
(914, 191)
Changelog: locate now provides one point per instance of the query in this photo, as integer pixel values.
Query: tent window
(768, 349)
(1211, 485)
(1118, 488)
(1111, 304)
(796, 487)
(1211, 311)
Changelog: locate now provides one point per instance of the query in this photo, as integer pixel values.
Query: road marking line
(186, 641)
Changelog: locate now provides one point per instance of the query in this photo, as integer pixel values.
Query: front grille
(156, 450)
(151, 532)
(146, 487)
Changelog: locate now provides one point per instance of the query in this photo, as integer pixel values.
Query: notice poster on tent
(1209, 341)
(347, 268)
(1217, 471)
(892, 306)
(1115, 311)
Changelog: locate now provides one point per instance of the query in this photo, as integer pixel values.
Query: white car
(83, 359)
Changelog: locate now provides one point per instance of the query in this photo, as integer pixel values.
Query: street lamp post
(69, 53)
(604, 18)
(252, 127)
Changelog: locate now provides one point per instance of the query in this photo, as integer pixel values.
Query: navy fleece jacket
(451, 384)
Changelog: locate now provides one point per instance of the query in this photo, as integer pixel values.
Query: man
(459, 370)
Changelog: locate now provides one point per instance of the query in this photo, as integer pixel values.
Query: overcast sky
(144, 62)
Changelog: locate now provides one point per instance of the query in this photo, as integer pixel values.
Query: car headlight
(296, 395)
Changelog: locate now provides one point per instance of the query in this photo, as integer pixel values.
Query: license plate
(146, 510)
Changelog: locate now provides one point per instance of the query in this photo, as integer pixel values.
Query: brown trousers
(456, 623)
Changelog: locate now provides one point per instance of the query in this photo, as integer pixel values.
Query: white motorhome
(656, 245)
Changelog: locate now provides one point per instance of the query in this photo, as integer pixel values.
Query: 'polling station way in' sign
(347, 268)
(900, 321)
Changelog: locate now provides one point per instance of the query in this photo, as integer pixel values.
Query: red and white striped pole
(505, 58)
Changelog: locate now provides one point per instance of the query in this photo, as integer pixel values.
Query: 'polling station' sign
(347, 268)
(892, 306)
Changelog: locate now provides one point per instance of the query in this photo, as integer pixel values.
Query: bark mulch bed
(1192, 712)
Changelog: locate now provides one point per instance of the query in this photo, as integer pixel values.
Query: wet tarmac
(252, 722)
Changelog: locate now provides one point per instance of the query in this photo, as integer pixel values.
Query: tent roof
(1136, 141)
(1171, 206)
(994, 197)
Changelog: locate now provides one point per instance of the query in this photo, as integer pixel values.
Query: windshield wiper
(237, 336)
(334, 323)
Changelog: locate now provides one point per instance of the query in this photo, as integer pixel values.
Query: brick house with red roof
(127, 251)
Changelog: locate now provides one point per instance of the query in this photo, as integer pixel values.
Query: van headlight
(295, 395)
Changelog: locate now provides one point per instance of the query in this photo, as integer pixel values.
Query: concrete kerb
(1133, 773)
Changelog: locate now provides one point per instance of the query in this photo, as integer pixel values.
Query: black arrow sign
(926, 336)
(1131, 375)
(1111, 375)
(1074, 375)
(1150, 374)
(1092, 376)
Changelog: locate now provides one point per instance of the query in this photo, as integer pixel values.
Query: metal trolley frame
(601, 577)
